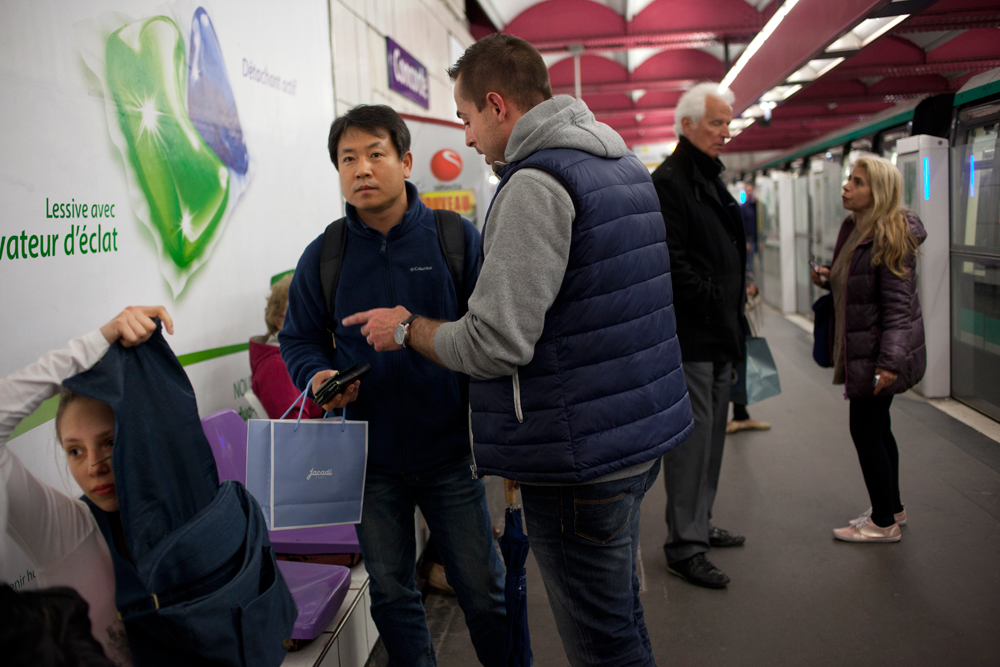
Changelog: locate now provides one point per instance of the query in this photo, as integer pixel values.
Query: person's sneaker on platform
(699, 571)
(899, 516)
(748, 424)
(866, 531)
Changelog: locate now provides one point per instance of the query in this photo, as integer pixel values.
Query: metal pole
(577, 51)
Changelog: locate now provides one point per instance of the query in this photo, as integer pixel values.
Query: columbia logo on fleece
(421, 268)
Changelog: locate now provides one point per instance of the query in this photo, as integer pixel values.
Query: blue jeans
(586, 541)
(454, 505)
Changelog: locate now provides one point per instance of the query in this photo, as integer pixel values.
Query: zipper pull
(473, 468)
(384, 240)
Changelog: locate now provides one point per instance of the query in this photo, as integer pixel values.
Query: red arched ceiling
(565, 19)
(902, 85)
(681, 15)
(593, 69)
(888, 50)
(961, 6)
(890, 69)
(684, 64)
(983, 44)
(606, 101)
(659, 98)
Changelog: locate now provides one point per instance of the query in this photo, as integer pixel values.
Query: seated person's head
(277, 304)
(85, 428)
(370, 147)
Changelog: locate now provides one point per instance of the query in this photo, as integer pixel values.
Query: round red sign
(446, 165)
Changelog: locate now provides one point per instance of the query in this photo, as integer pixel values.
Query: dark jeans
(586, 541)
(454, 505)
(740, 413)
(871, 430)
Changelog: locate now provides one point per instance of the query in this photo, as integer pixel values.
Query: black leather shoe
(699, 571)
(719, 537)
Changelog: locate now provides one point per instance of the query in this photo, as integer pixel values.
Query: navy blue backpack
(196, 581)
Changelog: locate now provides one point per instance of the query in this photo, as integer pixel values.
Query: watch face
(400, 334)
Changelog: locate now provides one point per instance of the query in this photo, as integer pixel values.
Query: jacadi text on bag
(319, 473)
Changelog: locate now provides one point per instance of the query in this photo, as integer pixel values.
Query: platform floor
(797, 596)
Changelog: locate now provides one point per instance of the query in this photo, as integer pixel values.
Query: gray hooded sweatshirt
(526, 243)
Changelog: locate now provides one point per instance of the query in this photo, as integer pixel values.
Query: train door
(923, 162)
(975, 257)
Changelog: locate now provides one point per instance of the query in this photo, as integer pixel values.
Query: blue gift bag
(307, 473)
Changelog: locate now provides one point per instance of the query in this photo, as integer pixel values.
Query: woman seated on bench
(58, 533)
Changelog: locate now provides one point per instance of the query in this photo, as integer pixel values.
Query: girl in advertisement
(58, 533)
(878, 342)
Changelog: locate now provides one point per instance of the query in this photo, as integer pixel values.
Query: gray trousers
(691, 471)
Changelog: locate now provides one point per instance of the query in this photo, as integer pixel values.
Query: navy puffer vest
(605, 389)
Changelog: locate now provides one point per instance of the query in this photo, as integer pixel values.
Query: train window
(976, 189)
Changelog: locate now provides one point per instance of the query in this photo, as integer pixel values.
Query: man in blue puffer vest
(418, 418)
(570, 338)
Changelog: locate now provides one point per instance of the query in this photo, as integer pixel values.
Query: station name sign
(406, 75)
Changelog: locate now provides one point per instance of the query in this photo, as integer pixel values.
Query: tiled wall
(422, 27)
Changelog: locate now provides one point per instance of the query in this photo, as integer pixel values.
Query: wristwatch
(402, 333)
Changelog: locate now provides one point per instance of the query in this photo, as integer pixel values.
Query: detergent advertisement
(155, 153)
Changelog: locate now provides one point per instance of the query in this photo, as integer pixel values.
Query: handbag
(307, 473)
(756, 377)
(821, 330)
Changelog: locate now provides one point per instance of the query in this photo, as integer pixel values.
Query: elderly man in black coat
(707, 259)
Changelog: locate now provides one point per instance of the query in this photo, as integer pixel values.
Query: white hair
(692, 103)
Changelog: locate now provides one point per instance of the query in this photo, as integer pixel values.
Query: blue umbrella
(514, 548)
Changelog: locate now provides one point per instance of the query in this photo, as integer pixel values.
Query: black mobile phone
(337, 384)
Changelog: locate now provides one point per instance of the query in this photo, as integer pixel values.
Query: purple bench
(318, 589)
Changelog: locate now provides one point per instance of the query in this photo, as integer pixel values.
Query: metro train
(945, 147)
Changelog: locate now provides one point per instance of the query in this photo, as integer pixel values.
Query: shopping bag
(756, 377)
(306, 473)
(761, 373)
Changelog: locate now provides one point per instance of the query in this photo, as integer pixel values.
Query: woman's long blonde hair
(893, 243)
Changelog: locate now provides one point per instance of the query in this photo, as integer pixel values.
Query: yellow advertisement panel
(462, 202)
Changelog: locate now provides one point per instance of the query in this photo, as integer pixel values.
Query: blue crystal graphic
(211, 105)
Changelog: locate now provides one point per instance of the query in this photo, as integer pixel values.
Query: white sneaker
(900, 517)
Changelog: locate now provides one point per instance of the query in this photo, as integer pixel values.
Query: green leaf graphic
(184, 182)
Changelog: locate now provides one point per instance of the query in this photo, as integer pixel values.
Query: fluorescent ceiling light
(865, 33)
(738, 125)
(814, 69)
(780, 93)
(758, 41)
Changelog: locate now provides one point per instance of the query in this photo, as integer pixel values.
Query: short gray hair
(692, 103)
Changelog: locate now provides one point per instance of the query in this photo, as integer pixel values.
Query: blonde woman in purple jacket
(878, 342)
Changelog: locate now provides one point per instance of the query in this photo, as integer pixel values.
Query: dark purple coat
(885, 328)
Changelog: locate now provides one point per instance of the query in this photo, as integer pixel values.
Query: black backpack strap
(451, 236)
(331, 258)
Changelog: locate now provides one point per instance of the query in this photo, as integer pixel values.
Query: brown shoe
(746, 425)
(866, 531)
(436, 579)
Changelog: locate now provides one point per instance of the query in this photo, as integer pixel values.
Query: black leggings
(871, 430)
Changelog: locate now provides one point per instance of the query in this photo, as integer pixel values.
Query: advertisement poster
(448, 174)
(155, 153)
